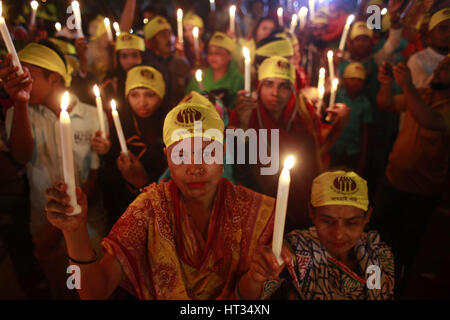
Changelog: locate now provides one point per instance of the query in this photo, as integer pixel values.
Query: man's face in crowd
(339, 227)
(195, 181)
(43, 87)
(128, 58)
(439, 37)
(265, 28)
(144, 102)
(275, 94)
(218, 58)
(162, 43)
(353, 86)
(318, 31)
(361, 47)
(441, 78)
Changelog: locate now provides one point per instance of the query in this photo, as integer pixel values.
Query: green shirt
(226, 87)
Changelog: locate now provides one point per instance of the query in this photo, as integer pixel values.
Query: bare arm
(126, 21)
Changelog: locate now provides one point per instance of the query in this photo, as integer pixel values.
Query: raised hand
(101, 145)
(17, 87)
(244, 107)
(132, 170)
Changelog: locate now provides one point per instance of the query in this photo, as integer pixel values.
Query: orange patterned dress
(162, 256)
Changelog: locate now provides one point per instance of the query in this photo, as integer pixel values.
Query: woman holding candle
(141, 118)
(333, 260)
(222, 76)
(191, 238)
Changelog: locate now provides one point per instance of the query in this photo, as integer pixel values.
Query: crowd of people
(157, 220)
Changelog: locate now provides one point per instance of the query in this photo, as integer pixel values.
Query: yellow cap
(286, 34)
(183, 122)
(340, 188)
(385, 22)
(220, 39)
(438, 17)
(145, 77)
(355, 70)
(276, 67)
(320, 19)
(197, 98)
(156, 25)
(129, 41)
(194, 20)
(64, 46)
(360, 28)
(43, 57)
(282, 47)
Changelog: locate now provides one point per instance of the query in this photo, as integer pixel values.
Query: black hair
(271, 38)
(261, 20)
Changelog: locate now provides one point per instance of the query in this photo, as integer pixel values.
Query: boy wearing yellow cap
(159, 54)
(190, 238)
(222, 76)
(351, 146)
(333, 260)
(38, 139)
(423, 63)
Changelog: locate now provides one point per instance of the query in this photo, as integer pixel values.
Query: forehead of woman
(342, 212)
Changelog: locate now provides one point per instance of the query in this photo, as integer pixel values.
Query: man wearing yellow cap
(423, 63)
(333, 260)
(222, 76)
(278, 110)
(159, 54)
(351, 146)
(36, 139)
(191, 238)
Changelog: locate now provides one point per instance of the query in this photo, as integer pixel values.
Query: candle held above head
(344, 36)
(8, 42)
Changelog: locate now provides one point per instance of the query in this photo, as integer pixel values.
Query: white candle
(280, 16)
(247, 62)
(320, 101)
(99, 103)
(333, 92)
(302, 13)
(199, 78)
(196, 43)
(281, 207)
(330, 64)
(108, 29)
(8, 43)
(180, 25)
(34, 6)
(232, 18)
(294, 23)
(58, 27)
(118, 125)
(67, 154)
(345, 32)
(212, 5)
(77, 14)
(116, 28)
(321, 82)
(311, 10)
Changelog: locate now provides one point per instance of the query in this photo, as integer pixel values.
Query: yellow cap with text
(220, 39)
(156, 25)
(145, 77)
(276, 67)
(129, 41)
(355, 70)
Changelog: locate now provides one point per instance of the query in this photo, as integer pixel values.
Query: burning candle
(196, 43)
(34, 6)
(330, 64)
(345, 32)
(302, 13)
(77, 14)
(99, 103)
(294, 23)
(212, 5)
(247, 62)
(180, 25)
(8, 43)
(116, 28)
(321, 78)
(280, 16)
(58, 27)
(281, 207)
(333, 92)
(320, 101)
(199, 78)
(108, 29)
(118, 125)
(67, 154)
(232, 18)
(312, 14)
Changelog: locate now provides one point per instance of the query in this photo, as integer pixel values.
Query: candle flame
(289, 162)
(303, 12)
(335, 83)
(145, 21)
(1, 8)
(280, 11)
(116, 27)
(58, 26)
(65, 101)
(321, 91)
(97, 91)
(199, 75)
(322, 72)
(107, 22)
(113, 105)
(232, 10)
(383, 11)
(294, 19)
(350, 20)
(211, 1)
(330, 54)
(34, 5)
(195, 32)
(180, 15)
(75, 5)
(246, 53)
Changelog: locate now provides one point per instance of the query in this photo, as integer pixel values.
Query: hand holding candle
(281, 208)
(247, 62)
(67, 154)
(118, 125)
(180, 25)
(8, 43)
(345, 32)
